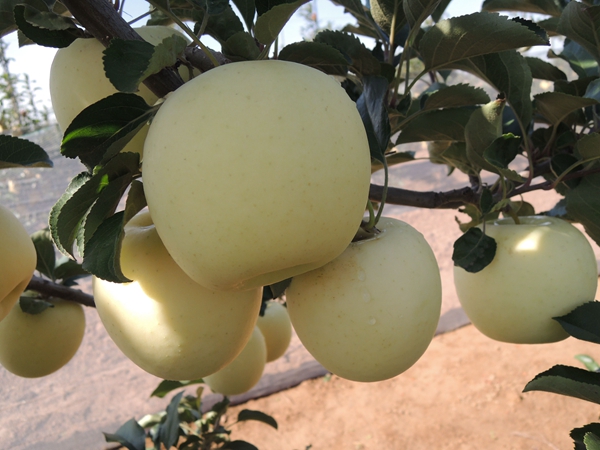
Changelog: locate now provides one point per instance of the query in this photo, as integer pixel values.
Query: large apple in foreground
(17, 260)
(36, 345)
(543, 268)
(243, 372)
(77, 79)
(163, 321)
(371, 313)
(265, 165)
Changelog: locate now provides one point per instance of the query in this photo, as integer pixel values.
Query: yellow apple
(36, 345)
(371, 313)
(276, 328)
(543, 268)
(77, 79)
(17, 260)
(165, 322)
(243, 372)
(265, 165)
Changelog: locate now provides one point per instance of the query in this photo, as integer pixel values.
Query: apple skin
(371, 313)
(244, 372)
(543, 268)
(33, 346)
(163, 321)
(18, 260)
(265, 164)
(276, 328)
(77, 79)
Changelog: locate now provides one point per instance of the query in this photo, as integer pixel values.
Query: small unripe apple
(265, 165)
(543, 268)
(371, 313)
(276, 327)
(165, 322)
(17, 260)
(36, 345)
(243, 372)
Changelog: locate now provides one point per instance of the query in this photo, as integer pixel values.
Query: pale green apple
(371, 313)
(77, 79)
(276, 328)
(36, 345)
(165, 322)
(243, 372)
(17, 261)
(543, 268)
(265, 165)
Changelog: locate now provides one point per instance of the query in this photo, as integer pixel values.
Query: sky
(36, 60)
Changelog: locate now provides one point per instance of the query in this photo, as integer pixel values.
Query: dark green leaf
(589, 146)
(578, 434)
(579, 59)
(42, 36)
(591, 441)
(101, 130)
(455, 156)
(589, 362)
(473, 35)
(392, 159)
(502, 151)
(581, 23)
(583, 322)
(247, 414)
(214, 7)
(136, 200)
(521, 208)
(238, 445)
(474, 251)
(549, 7)
(269, 25)
(49, 20)
(314, 54)
(358, 56)
(383, 14)
(247, 9)
(486, 201)
(241, 46)
(223, 26)
(34, 306)
(561, 162)
(102, 250)
(482, 129)
(416, 11)
(167, 386)
(543, 70)
(67, 270)
(570, 381)
(556, 106)
(455, 96)
(372, 106)
(437, 125)
(130, 434)
(44, 248)
(18, 152)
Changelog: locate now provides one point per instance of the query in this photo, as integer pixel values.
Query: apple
(276, 328)
(371, 313)
(243, 372)
(165, 322)
(18, 260)
(36, 345)
(266, 166)
(77, 79)
(543, 268)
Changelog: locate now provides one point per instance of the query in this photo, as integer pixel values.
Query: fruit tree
(214, 178)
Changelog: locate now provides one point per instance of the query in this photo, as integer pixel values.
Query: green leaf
(549, 7)
(34, 306)
(18, 152)
(556, 106)
(437, 125)
(474, 251)
(247, 414)
(569, 381)
(238, 445)
(169, 429)
(68, 270)
(583, 322)
(131, 435)
(455, 156)
(372, 106)
(223, 26)
(486, 201)
(44, 249)
(589, 362)
(354, 51)
(241, 47)
(136, 200)
(579, 59)
(543, 70)
(482, 129)
(42, 36)
(588, 146)
(591, 441)
(501, 152)
(269, 25)
(383, 14)
(393, 158)
(101, 130)
(247, 9)
(578, 434)
(317, 55)
(416, 11)
(583, 205)
(455, 96)
(473, 35)
(167, 386)
(581, 23)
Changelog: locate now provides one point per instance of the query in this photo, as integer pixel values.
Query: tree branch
(52, 289)
(104, 23)
(432, 200)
